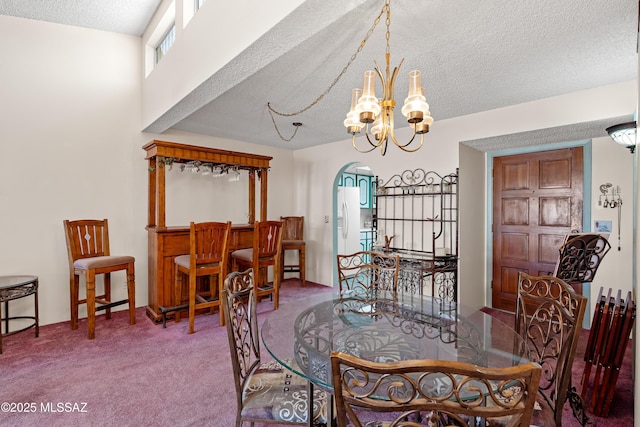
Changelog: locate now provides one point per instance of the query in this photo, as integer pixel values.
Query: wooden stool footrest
(105, 305)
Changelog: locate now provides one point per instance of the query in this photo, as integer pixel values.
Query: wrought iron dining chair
(89, 255)
(208, 256)
(265, 251)
(293, 240)
(549, 317)
(266, 392)
(431, 392)
(580, 257)
(367, 271)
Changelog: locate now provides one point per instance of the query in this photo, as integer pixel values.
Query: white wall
(613, 163)
(72, 148)
(472, 232)
(70, 120)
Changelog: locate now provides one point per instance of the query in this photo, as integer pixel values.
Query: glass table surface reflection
(383, 328)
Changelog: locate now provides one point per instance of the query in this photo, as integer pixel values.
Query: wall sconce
(624, 134)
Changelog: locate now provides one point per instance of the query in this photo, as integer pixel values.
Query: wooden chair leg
(1, 328)
(276, 285)
(302, 266)
(282, 264)
(107, 293)
(36, 314)
(74, 290)
(131, 292)
(91, 304)
(220, 294)
(213, 291)
(192, 303)
(177, 294)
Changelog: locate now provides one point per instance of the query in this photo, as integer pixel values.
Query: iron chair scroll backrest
(368, 271)
(580, 257)
(549, 317)
(239, 307)
(441, 392)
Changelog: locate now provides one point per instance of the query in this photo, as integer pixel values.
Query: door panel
(537, 200)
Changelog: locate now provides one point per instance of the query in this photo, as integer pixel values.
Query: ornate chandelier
(367, 110)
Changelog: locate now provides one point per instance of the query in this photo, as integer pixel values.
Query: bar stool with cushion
(208, 242)
(89, 255)
(266, 251)
(293, 240)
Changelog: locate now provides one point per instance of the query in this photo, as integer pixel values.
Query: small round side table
(13, 288)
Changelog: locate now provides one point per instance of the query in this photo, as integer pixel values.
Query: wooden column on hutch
(167, 242)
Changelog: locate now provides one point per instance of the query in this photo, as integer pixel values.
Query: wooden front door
(537, 199)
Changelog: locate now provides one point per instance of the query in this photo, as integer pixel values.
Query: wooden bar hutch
(167, 242)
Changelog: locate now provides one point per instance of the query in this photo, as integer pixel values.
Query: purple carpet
(144, 374)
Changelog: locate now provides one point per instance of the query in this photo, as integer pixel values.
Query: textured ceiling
(569, 133)
(474, 56)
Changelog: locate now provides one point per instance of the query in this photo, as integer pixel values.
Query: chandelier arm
(403, 146)
(392, 82)
(372, 141)
(408, 150)
(383, 80)
(353, 142)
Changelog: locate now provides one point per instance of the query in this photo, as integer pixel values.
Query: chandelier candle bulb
(352, 122)
(376, 130)
(368, 106)
(415, 105)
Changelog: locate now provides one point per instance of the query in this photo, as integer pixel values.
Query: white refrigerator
(348, 217)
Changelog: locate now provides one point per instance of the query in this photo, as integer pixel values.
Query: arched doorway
(353, 206)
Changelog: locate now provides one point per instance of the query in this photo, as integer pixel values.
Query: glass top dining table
(384, 327)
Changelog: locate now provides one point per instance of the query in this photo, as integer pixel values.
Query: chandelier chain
(296, 126)
(335, 81)
(387, 6)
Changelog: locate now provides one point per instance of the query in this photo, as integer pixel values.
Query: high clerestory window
(165, 43)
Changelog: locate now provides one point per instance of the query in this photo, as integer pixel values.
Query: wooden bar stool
(208, 253)
(89, 255)
(266, 251)
(293, 240)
